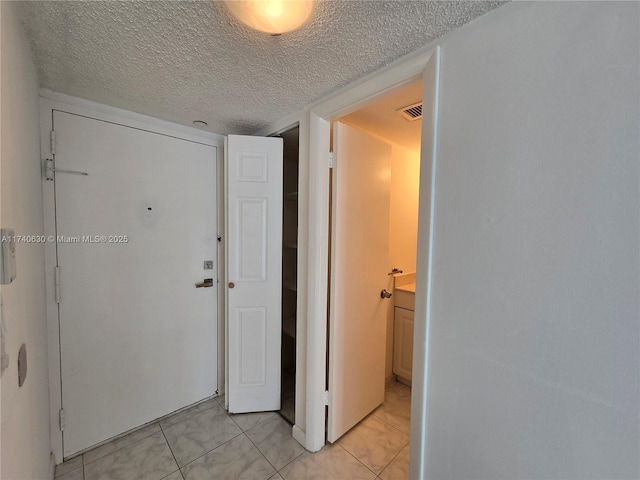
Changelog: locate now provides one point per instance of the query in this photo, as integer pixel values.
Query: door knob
(208, 282)
(385, 294)
(231, 284)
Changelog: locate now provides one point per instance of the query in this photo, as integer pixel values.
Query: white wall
(25, 411)
(533, 367)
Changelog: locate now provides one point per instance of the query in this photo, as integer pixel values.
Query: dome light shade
(271, 16)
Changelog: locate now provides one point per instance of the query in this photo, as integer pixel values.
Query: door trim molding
(50, 101)
(343, 102)
(313, 241)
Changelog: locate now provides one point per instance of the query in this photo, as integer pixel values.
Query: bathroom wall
(403, 224)
(25, 410)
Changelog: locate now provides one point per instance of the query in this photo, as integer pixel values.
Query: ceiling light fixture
(271, 16)
(200, 123)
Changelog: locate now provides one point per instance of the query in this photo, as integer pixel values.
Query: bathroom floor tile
(332, 462)
(374, 443)
(147, 459)
(238, 458)
(200, 434)
(69, 465)
(246, 421)
(398, 469)
(273, 438)
(396, 409)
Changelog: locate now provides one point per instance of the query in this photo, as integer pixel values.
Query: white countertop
(411, 288)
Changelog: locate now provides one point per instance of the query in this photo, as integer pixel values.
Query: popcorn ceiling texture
(190, 60)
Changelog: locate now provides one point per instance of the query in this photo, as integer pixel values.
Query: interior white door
(254, 272)
(360, 248)
(137, 339)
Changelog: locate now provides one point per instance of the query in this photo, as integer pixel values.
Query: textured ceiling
(382, 119)
(188, 60)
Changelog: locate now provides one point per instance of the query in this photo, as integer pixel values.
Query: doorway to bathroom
(374, 192)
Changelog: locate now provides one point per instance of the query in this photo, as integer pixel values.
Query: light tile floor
(205, 442)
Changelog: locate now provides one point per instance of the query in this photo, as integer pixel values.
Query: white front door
(254, 272)
(137, 339)
(360, 246)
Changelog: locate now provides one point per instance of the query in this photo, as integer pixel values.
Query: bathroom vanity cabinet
(403, 332)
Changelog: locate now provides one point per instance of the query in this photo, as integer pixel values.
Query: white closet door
(254, 272)
(137, 339)
(357, 330)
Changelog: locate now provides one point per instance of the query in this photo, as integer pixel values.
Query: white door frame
(50, 101)
(320, 115)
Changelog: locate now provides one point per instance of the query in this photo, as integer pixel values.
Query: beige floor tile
(374, 443)
(174, 476)
(69, 465)
(147, 459)
(121, 442)
(273, 438)
(330, 463)
(187, 413)
(246, 421)
(199, 434)
(398, 469)
(77, 474)
(396, 409)
(238, 458)
(99, 452)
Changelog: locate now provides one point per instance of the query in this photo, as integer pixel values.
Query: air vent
(411, 112)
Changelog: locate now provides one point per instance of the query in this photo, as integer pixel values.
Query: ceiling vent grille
(411, 112)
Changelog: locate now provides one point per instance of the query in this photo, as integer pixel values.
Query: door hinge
(57, 284)
(332, 159)
(325, 397)
(53, 142)
(61, 417)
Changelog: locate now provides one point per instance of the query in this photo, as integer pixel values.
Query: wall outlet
(208, 264)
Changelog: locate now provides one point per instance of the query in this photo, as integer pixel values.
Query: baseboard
(390, 380)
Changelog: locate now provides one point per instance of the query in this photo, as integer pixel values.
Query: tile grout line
(206, 453)
(117, 449)
(171, 450)
(243, 431)
(392, 426)
(263, 455)
(358, 460)
(391, 461)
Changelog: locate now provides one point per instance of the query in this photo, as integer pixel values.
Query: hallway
(205, 442)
